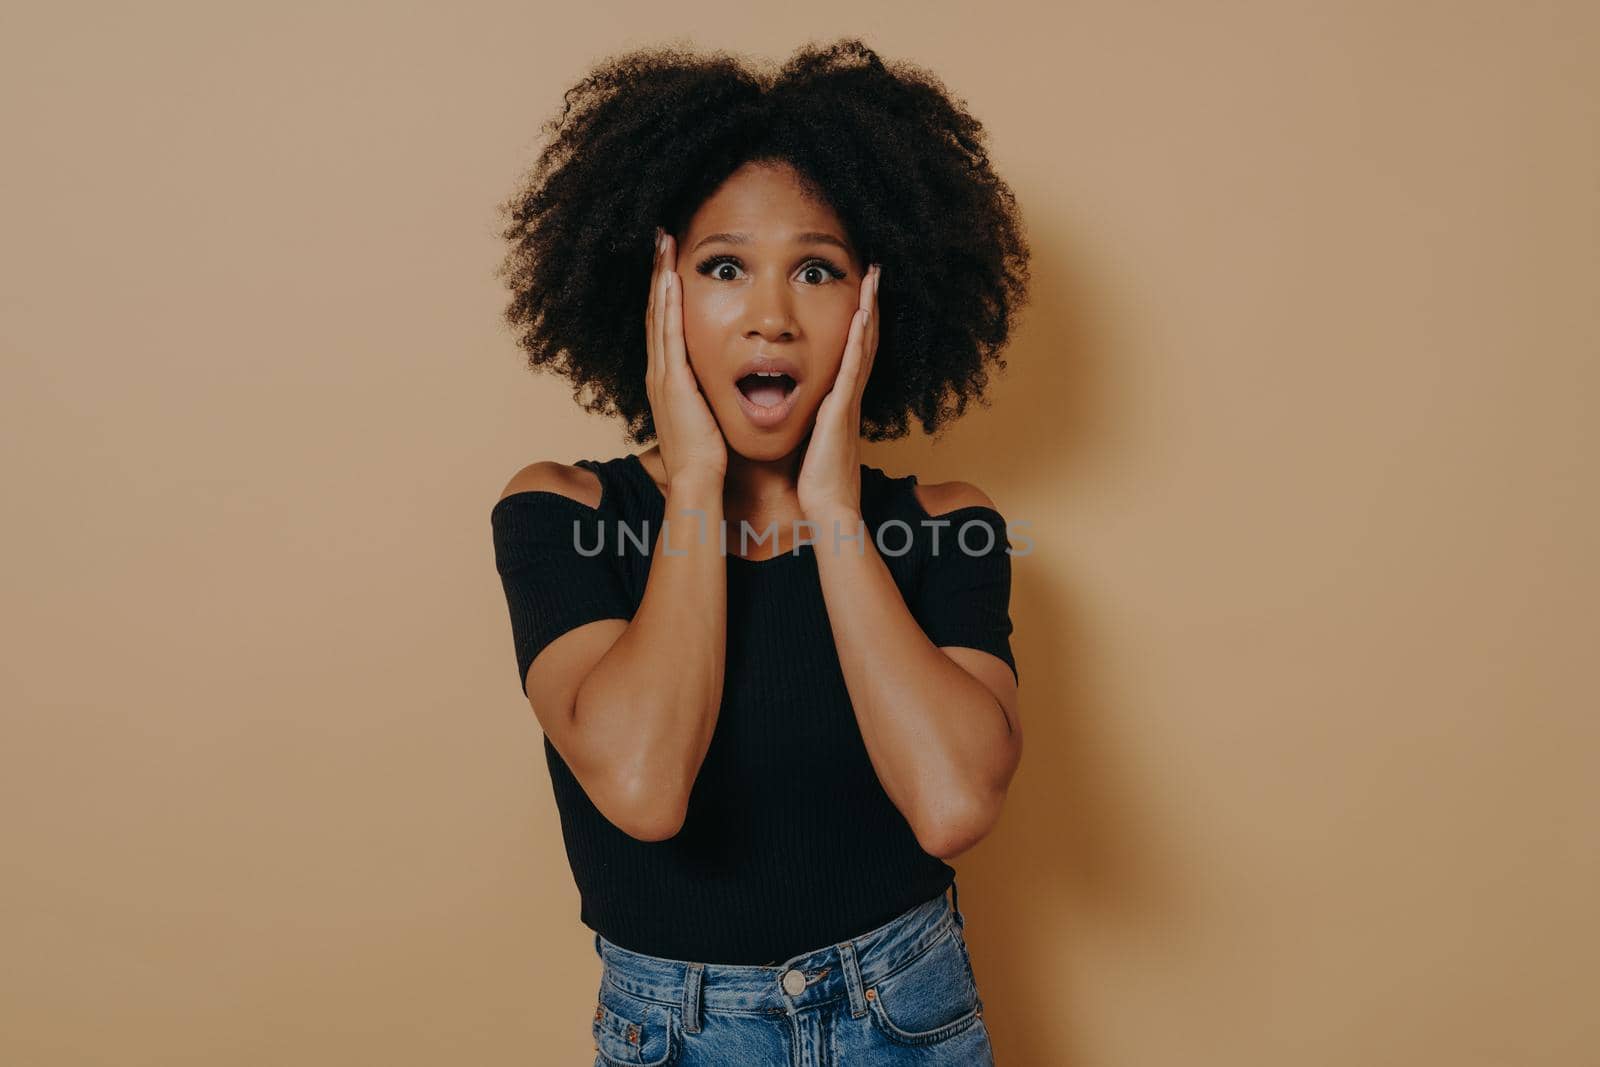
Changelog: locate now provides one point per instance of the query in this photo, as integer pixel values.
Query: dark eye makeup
(711, 263)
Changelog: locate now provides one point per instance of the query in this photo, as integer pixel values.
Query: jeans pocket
(931, 999)
(633, 1031)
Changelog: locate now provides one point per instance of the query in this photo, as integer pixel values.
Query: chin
(760, 444)
(764, 447)
(761, 454)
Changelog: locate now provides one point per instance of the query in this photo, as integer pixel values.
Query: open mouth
(766, 390)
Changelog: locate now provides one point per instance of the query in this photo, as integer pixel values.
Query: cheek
(839, 332)
(706, 324)
(834, 333)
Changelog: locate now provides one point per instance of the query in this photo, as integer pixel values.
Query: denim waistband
(846, 969)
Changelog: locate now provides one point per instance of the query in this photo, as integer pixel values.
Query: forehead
(766, 201)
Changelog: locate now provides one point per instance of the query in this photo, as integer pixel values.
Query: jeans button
(794, 983)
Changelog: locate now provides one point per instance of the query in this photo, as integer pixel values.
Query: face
(768, 274)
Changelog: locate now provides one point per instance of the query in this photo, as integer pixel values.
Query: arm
(631, 704)
(941, 725)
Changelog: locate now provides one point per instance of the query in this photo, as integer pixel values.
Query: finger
(658, 318)
(877, 282)
(655, 271)
(850, 367)
(869, 344)
(861, 328)
(655, 262)
(675, 353)
(649, 317)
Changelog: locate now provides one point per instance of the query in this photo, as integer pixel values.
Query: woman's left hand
(829, 485)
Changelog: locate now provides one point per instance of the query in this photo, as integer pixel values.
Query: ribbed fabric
(790, 842)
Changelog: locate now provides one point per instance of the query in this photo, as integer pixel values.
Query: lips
(767, 387)
(766, 390)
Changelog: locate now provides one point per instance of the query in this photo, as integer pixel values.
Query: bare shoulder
(945, 497)
(548, 476)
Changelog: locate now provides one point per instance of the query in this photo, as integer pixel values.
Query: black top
(790, 842)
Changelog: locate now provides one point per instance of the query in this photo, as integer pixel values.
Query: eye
(824, 266)
(712, 267)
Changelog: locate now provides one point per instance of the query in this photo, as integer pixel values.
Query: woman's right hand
(691, 442)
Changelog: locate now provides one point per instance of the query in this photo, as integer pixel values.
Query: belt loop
(852, 979)
(955, 906)
(691, 998)
(597, 951)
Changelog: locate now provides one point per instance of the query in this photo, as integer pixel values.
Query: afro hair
(649, 135)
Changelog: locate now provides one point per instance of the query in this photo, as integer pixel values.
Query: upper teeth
(770, 374)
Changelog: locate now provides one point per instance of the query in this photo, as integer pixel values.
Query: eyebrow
(809, 237)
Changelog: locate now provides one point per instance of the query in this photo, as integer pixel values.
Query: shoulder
(548, 476)
(944, 497)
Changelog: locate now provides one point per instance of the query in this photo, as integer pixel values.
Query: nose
(771, 310)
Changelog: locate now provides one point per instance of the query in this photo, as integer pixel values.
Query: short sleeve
(558, 568)
(963, 596)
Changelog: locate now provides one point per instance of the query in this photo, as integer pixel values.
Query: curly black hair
(649, 135)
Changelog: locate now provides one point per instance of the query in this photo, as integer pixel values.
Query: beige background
(1302, 414)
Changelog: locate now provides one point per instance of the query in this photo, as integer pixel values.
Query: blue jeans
(902, 993)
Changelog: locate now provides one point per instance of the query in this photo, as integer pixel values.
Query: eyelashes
(711, 263)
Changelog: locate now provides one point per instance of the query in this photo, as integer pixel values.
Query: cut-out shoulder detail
(946, 498)
(548, 476)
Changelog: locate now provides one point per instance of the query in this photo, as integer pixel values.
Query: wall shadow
(1071, 852)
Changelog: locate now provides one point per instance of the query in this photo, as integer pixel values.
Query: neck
(760, 487)
(758, 491)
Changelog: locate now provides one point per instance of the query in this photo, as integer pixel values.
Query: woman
(775, 683)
